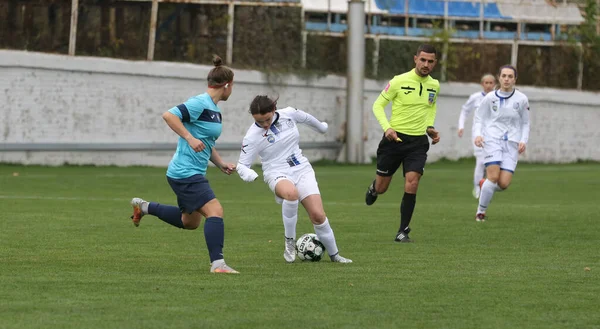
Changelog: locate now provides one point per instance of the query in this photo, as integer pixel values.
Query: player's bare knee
(317, 218)
(503, 185)
(191, 225)
(290, 196)
(411, 186)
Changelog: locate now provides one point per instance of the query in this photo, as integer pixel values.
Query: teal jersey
(202, 118)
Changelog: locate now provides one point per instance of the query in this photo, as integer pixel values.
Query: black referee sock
(406, 210)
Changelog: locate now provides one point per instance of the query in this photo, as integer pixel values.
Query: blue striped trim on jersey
(292, 160)
(210, 116)
(274, 130)
(493, 163)
(185, 114)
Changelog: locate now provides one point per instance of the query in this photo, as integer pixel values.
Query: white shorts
(502, 153)
(303, 178)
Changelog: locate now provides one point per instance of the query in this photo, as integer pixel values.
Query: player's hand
(196, 144)
(228, 168)
(479, 141)
(434, 135)
(325, 125)
(460, 132)
(390, 134)
(522, 147)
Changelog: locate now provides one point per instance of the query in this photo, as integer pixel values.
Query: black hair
(220, 74)
(426, 48)
(262, 104)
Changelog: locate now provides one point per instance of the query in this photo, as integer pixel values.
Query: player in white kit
(488, 82)
(502, 130)
(274, 137)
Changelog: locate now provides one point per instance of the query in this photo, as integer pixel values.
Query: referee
(413, 95)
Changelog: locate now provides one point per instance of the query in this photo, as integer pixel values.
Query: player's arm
(465, 111)
(524, 126)
(431, 132)
(387, 95)
(481, 116)
(175, 117)
(215, 158)
(305, 118)
(247, 154)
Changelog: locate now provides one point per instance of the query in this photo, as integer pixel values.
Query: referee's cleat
(136, 203)
(289, 254)
(371, 196)
(219, 266)
(403, 236)
(480, 217)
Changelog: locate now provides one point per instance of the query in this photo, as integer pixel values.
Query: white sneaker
(136, 203)
(219, 266)
(290, 250)
(339, 259)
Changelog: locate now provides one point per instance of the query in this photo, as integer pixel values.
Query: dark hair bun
(217, 61)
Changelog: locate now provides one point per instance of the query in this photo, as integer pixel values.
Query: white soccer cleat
(219, 266)
(290, 250)
(136, 203)
(339, 259)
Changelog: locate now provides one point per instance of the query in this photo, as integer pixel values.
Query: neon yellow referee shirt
(413, 100)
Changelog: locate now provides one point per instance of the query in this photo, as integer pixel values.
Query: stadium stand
(539, 20)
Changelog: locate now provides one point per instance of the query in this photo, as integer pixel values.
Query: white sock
(289, 212)
(487, 192)
(144, 207)
(479, 171)
(325, 235)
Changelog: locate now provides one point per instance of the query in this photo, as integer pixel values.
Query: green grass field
(71, 258)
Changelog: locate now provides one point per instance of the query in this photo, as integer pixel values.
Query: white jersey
(278, 147)
(503, 116)
(472, 104)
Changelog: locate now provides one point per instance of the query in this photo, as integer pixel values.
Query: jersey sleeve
(387, 95)
(466, 110)
(302, 117)
(481, 116)
(525, 122)
(247, 154)
(188, 111)
(433, 111)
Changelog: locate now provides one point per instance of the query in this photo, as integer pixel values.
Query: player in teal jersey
(198, 123)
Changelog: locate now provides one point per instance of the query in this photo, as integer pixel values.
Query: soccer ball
(309, 248)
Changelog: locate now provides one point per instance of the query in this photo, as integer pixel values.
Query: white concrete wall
(48, 98)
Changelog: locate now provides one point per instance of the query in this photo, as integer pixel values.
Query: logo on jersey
(271, 139)
(243, 146)
(290, 123)
(407, 92)
(431, 97)
(387, 87)
(494, 106)
(516, 106)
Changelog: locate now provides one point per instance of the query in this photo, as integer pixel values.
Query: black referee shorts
(411, 153)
